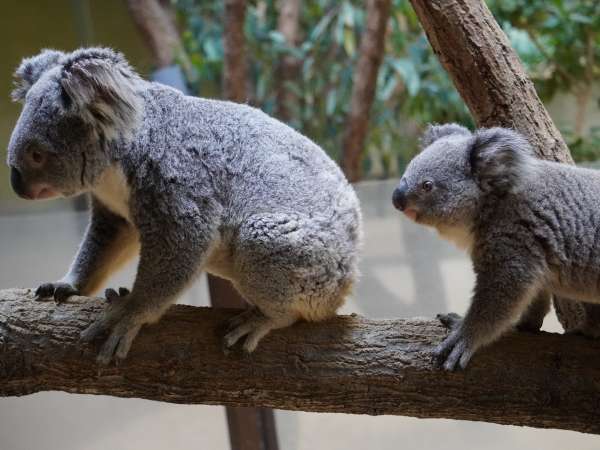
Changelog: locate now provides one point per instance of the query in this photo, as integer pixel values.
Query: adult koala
(192, 184)
(531, 227)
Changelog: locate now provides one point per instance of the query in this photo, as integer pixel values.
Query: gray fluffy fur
(192, 184)
(532, 228)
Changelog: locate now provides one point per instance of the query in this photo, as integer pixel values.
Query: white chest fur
(112, 190)
(458, 235)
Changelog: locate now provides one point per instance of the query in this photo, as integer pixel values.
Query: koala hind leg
(289, 267)
(254, 325)
(532, 319)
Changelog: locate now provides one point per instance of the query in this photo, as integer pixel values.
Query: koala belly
(220, 260)
(583, 289)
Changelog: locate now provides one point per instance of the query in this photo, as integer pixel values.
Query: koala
(190, 185)
(531, 228)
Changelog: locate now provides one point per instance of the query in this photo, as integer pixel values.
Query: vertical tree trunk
(156, 25)
(288, 26)
(487, 72)
(492, 81)
(234, 43)
(363, 89)
(582, 97)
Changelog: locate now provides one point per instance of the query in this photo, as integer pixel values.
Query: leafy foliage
(559, 41)
(412, 88)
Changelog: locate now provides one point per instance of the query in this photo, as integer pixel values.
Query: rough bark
(349, 364)
(234, 44)
(157, 26)
(363, 88)
(494, 85)
(288, 25)
(487, 72)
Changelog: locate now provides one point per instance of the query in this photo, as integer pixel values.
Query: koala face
(437, 187)
(46, 152)
(444, 184)
(74, 105)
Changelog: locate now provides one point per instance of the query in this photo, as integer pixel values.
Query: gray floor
(407, 271)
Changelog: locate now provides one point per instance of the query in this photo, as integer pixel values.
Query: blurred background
(300, 61)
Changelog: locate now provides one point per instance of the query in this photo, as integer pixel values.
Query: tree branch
(234, 58)
(156, 24)
(487, 72)
(371, 51)
(349, 364)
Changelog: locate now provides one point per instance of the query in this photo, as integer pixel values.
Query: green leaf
(409, 74)
(349, 42)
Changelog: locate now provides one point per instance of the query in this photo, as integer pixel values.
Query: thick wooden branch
(349, 364)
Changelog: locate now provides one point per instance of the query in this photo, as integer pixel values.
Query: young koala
(191, 184)
(531, 227)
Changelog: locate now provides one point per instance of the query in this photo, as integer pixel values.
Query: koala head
(445, 183)
(75, 105)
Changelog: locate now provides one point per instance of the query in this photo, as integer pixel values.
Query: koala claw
(450, 320)
(119, 340)
(112, 295)
(252, 324)
(454, 352)
(59, 291)
(118, 343)
(93, 331)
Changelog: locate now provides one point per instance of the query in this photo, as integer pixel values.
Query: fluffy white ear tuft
(435, 132)
(31, 69)
(99, 85)
(500, 159)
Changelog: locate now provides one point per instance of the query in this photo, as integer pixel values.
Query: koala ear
(434, 132)
(99, 86)
(500, 158)
(31, 69)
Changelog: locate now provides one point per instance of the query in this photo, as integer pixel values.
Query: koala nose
(399, 196)
(16, 181)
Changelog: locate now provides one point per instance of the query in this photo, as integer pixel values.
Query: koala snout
(399, 196)
(16, 181)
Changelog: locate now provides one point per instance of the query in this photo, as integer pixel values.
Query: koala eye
(37, 157)
(427, 185)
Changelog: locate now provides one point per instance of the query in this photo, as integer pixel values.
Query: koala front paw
(123, 327)
(456, 350)
(59, 291)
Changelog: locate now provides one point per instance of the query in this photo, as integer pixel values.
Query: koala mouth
(41, 192)
(411, 214)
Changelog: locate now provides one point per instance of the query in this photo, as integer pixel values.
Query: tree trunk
(363, 89)
(288, 23)
(583, 95)
(348, 364)
(234, 43)
(487, 72)
(492, 81)
(157, 27)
